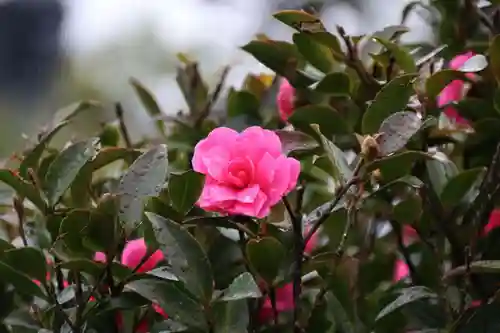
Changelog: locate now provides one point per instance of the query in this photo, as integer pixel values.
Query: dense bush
(364, 202)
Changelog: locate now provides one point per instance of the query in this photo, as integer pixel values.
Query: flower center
(240, 172)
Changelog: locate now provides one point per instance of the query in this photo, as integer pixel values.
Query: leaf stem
(123, 128)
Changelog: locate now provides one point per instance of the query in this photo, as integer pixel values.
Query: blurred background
(55, 52)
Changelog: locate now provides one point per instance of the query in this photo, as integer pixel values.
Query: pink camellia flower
(246, 173)
(493, 223)
(284, 295)
(285, 99)
(454, 91)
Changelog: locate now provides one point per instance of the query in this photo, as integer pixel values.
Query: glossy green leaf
(392, 98)
(22, 188)
(145, 178)
(243, 103)
(368, 45)
(329, 120)
(408, 210)
(27, 260)
(185, 255)
(173, 299)
(193, 88)
(402, 56)
(32, 158)
(397, 165)
(315, 53)
(407, 296)
(184, 190)
(243, 286)
(65, 167)
(440, 172)
(71, 111)
(231, 317)
(265, 255)
(21, 282)
(106, 156)
(282, 57)
(84, 265)
(342, 172)
(460, 185)
(396, 130)
(294, 18)
(72, 229)
(336, 84)
(295, 141)
(149, 102)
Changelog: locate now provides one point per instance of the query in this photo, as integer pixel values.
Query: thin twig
(242, 243)
(79, 301)
(298, 251)
(123, 128)
(205, 112)
(272, 297)
(19, 208)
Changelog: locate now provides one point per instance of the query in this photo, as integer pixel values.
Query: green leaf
(149, 102)
(173, 299)
(294, 18)
(494, 56)
(315, 53)
(243, 286)
(65, 167)
(392, 98)
(408, 295)
(342, 172)
(69, 112)
(79, 189)
(460, 185)
(28, 260)
(440, 172)
(401, 55)
(21, 282)
(408, 210)
(184, 190)
(439, 80)
(335, 84)
(22, 188)
(329, 120)
(295, 141)
(32, 158)
(474, 64)
(103, 230)
(84, 265)
(242, 103)
(265, 256)
(397, 165)
(186, 256)
(145, 178)
(193, 88)
(72, 229)
(281, 57)
(231, 317)
(396, 130)
(369, 45)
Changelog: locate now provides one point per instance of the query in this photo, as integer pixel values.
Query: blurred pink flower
(246, 173)
(285, 99)
(133, 253)
(401, 270)
(454, 91)
(284, 295)
(494, 221)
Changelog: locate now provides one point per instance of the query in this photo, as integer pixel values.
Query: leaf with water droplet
(396, 130)
(145, 178)
(66, 166)
(185, 255)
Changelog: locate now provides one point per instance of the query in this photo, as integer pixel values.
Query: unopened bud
(369, 148)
